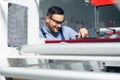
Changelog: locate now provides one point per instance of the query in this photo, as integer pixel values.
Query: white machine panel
(92, 49)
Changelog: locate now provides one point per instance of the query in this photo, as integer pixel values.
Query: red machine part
(111, 33)
(103, 2)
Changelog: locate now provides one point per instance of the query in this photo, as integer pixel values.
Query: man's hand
(83, 33)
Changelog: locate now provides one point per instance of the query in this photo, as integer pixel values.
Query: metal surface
(45, 74)
(82, 49)
(109, 29)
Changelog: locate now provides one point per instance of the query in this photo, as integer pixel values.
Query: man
(54, 29)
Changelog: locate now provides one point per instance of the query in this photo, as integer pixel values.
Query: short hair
(55, 10)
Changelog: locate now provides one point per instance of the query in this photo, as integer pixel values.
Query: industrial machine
(26, 56)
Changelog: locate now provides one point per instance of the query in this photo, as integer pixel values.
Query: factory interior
(26, 56)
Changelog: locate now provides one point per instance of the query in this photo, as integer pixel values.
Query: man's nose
(59, 25)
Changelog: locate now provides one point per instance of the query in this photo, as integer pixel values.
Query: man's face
(54, 23)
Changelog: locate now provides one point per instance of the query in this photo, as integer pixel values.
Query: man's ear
(47, 18)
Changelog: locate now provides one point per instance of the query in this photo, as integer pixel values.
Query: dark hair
(55, 10)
